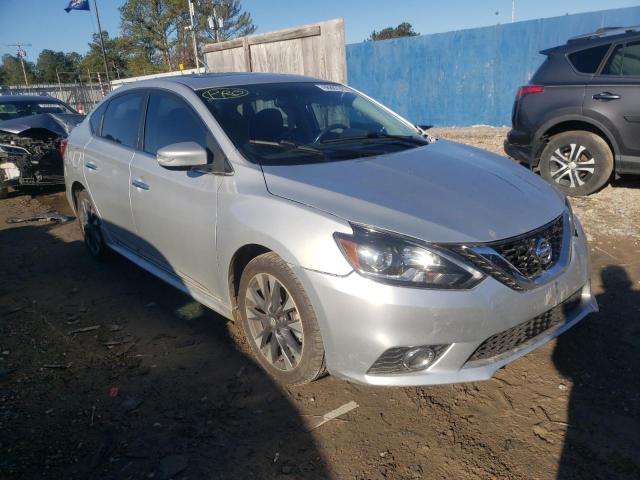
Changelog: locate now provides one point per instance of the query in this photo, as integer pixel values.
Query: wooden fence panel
(316, 50)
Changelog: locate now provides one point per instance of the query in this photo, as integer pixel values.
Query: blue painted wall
(466, 77)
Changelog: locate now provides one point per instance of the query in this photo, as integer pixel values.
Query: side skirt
(182, 284)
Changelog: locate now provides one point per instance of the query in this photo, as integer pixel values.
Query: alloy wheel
(89, 226)
(572, 165)
(274, 322)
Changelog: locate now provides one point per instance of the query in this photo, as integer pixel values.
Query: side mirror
(183, 154)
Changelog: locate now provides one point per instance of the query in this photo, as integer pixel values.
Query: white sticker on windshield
(332, 87)
(214, 94)
(48, 105)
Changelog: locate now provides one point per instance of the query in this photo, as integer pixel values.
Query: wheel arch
(76, 187)
(569, 123)
(239, 261)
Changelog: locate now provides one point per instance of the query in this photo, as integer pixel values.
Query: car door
(613, 97)
(175, 209)
(106, 164)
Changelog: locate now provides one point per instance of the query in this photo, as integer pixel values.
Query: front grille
(514, 337)
(517, 253)
(521, 253)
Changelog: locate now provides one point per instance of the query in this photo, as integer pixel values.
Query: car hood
(443, 192)
(58, 123)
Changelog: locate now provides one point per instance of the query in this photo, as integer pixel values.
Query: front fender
(301, 235)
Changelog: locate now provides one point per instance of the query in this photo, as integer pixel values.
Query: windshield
(306, 122)
(15, 109)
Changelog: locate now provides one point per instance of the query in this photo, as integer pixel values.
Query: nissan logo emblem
(544, 252)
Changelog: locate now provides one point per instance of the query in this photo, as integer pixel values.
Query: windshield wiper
(289, 146)
(377, 136)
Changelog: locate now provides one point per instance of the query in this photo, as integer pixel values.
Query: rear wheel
(90, 226)
(577, 162)
(279, 322)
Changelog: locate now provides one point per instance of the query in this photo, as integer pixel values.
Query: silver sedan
(341, 237)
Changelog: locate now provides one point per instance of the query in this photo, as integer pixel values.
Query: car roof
(227, 79)
(28, 98)
(593, 40)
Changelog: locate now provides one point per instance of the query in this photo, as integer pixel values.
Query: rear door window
(122, 118)
(588, 60)
(624, 60)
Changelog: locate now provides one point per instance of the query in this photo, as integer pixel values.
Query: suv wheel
(90, 226)
(279, 322)
(577, 162)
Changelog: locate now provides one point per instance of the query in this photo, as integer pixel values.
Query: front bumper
(361, 319)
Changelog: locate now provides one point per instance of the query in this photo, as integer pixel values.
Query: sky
(45, 24)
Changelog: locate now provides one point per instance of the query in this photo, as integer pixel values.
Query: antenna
(21, 53)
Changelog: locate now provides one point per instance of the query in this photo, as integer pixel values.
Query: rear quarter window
(588, 60)
(95, 120)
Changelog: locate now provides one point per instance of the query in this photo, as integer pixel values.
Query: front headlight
(390, 258)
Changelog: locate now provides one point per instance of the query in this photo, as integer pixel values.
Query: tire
(89, 223)
(577, 162)
(292, 350)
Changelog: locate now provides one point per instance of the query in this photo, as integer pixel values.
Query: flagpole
(104, 53)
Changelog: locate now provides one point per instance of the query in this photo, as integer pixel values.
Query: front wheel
(279, 322)
(577, 162)
(90, 226)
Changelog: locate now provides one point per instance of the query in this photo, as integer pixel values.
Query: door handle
(91, 166)
(138, 182)
(606, 96)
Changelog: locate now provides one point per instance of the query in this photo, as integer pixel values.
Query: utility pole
(215, 23)
(21, 54)
(59, 83)
(513, 11)
(193, 33)
(104, 53)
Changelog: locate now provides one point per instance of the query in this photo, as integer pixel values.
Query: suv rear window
(625, 60)
(587, 61)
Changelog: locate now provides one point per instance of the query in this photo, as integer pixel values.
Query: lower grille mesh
(513, 337)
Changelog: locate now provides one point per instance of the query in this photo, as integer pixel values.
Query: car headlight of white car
(393, 259)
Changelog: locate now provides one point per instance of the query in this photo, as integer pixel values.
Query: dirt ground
(161, 387)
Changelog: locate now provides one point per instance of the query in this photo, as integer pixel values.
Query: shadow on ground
(601, 356)
(157, 390)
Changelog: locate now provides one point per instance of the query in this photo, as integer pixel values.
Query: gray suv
(339, 236)
(578, 121)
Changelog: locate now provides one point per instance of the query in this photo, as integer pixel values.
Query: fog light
(418, 358)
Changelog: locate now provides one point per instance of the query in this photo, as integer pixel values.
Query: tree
(116, 52)
(157, 31)
(235, 22)
(12, 70)
(403, 30)
(51, 63)
(150, 27)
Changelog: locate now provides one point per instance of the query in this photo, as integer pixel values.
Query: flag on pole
(77, 5)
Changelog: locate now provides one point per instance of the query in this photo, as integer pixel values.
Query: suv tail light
(63, 147)
(528, 89)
